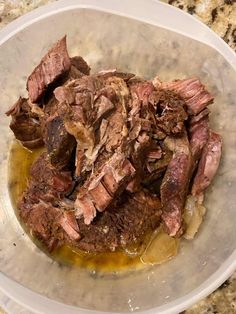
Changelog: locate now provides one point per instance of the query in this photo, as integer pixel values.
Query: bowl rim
(155, 14)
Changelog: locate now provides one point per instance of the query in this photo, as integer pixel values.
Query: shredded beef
(122, 153)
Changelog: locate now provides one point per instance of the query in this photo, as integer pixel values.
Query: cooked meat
(42, 171)
(25, 124)
(83, 105)
(122, 224)
(49, 223)
(59, 143)
(80, 64)
(42, 220)
(114, 72)
(69, 223)
(156, 168)
(101, 187)
(143, 128)
(50, 108)
(192, 91)
(93, 133)
(170, 112)
(52, 66)
(208, 165)
(198, 133)
(114, 144)
(175, 183)
(39, 206)
(203, 114)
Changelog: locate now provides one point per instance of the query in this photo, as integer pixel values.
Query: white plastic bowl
(147, 38)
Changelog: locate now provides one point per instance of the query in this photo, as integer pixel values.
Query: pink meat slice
(54, 64)
(175, 184)
(208, 165)
(199, 132)
(69, 224)
(109, 182)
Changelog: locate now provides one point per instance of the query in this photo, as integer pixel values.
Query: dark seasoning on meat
(124, 157)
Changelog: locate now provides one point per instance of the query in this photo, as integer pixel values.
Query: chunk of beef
(170, 112)
(208, 165)
(43, 207)
(117, 130)
(80, 64)
(203, 114)
(42, 171)
(141, 93)
(59, 143)
(76, 107)
(49, 224)
(42, 220)
(25, 124)
(52, 66)
(191, 90)
(175, 184)
(122, 224)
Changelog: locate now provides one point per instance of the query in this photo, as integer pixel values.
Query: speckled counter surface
(220, 15)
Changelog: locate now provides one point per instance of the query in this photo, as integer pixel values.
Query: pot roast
(122, 154)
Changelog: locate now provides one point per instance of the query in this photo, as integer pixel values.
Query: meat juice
(135, 257)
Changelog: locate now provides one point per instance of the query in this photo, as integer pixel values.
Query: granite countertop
(220, 15)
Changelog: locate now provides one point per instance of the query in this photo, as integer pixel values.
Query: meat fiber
(171, 112)
(53, 65)
(120, 153)
(208, 165)
(100, 188)
(175, 183)
(198, 133)
(192, 91)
